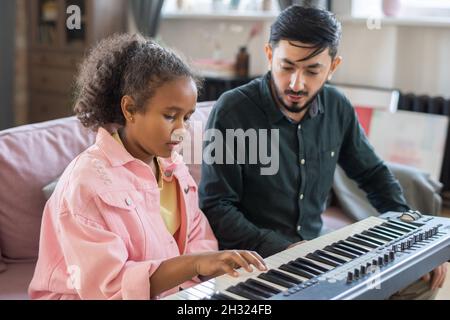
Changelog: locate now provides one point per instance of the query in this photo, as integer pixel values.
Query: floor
(444, 293)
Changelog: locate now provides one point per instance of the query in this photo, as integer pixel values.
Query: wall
(413, 58)
(7, 20)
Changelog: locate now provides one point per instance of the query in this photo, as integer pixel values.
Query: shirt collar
(118, 156)
(271, 108)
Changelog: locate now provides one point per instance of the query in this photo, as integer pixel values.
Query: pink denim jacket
(102, 235)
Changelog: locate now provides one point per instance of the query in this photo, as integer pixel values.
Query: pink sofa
(32, 156)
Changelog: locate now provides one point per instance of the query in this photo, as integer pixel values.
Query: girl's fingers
(255, 259)
(240, 260)
(229, 270)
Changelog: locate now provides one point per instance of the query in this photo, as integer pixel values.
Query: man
(316, 128)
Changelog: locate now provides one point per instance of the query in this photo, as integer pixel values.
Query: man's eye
(287, 68)
(312, 73)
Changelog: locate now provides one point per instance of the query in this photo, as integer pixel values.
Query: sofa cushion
(30, 157)
(15, 281)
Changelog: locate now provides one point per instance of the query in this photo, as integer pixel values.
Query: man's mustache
(298, 94)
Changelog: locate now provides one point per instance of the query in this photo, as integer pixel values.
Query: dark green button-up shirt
(267, 213)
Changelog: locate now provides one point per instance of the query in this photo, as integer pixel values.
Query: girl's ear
(127, 105)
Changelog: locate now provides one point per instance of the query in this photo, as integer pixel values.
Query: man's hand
(437, 276)
(296, 244)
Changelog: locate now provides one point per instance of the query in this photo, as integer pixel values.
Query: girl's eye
(169, 117)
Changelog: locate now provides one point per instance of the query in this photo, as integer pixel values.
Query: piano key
(396, 227)
(263, 286)
(376, 235)
(404, 224)
(199, 294)
(243, 292)
(373, 239)
(221, 296)
(355, 246)
(306, 268)
(348, 249)
(256, 289)
(292, 269)
(318, 258)
(313, 265)
(186, 295)
(387, 232)
(340, 252)
(362, 242)
(330, 256)
(207, 290)
(369, 239)
(277, 279)
(386, 228)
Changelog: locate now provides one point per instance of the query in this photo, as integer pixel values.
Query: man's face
(296, 81)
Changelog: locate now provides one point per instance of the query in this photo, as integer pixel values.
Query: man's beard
(295, 108)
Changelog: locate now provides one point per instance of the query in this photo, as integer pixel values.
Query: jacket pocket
(122, 212)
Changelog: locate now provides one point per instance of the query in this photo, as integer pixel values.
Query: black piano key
(220, 296)
(387, 228)
(362, 242)
(376, 235)
(396, 227)
(329, 256)
(279, 278)
(243, 292)
(262, 286)
(312, 264)
(369, 239)
(306, 268)
(352, 245)
(404, 224)
(318, 258)
(384, 234)
(256, 290)
(348, 249)
(340, 252)
(389, 232)
(291, 269)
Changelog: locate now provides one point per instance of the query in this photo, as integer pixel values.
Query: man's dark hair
(317, 28)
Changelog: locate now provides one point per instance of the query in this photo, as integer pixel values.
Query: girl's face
(158, 130)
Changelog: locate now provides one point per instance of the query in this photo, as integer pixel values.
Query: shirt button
(299, 127)
(332, 154)
(302, 196)
(128, 202)
(299, 228)
(302, 162)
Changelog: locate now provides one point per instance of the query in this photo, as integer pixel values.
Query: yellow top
(168, 198)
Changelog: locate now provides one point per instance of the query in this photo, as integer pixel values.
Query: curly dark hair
(123, 65)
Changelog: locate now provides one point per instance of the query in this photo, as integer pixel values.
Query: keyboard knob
(386, 258)
(380, 261)
(349, 277)
(363, 270)
(402, 246)
(392, 255)
(356, 273)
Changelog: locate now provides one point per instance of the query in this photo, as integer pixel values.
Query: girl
(124, 222)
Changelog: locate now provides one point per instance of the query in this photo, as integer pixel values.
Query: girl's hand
(218, 263)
